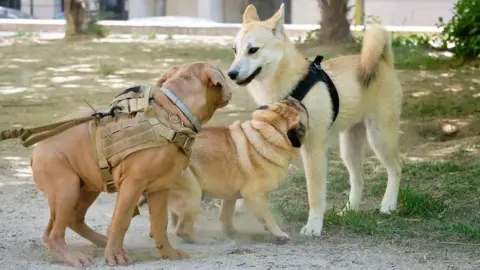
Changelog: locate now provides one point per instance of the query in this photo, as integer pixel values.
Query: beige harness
(134, 127)
(131, 126)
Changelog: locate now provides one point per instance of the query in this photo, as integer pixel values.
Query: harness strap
(317, 74)
(131, 102)
(182, 107)
(30, 136)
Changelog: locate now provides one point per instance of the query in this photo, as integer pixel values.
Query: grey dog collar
(176, 100)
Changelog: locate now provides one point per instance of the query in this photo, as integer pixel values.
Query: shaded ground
(39, 83)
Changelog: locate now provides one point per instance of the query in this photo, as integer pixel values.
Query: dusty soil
(24, 214)
(52, 89)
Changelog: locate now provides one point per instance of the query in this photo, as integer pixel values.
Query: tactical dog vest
(132, 126)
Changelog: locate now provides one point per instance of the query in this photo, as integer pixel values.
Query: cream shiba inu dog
(369, 108)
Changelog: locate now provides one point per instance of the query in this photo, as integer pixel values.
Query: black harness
(317, 74)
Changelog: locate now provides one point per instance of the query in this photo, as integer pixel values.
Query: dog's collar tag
(176, 100)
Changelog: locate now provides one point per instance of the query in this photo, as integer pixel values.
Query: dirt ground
(40, 83)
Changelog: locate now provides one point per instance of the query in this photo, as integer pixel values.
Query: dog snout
(233, 74)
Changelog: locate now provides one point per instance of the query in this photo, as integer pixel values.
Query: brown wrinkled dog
(65, 170)
(244, 160)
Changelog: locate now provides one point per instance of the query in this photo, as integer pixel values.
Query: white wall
(182, 8)
(42, 9)
(391, 12)
(209, 9)
(141, 8)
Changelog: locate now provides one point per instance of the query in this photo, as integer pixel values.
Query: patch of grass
(207, 53)
(152, 36)
(358, 222)
(93, 28)
(23, 34)
(107, 69)
(439, 200)
(416, 58)
(413, 204)
(446, 104)
(410, 51)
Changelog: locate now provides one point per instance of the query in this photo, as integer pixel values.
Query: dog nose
(233, 74)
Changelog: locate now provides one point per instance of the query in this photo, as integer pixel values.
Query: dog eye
(234, 50)
(252, 50)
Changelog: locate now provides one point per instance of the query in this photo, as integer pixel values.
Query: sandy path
(24, 214)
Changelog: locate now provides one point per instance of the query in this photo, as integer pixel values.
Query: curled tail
(376, 47)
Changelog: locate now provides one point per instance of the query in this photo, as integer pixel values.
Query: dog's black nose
(232, 74)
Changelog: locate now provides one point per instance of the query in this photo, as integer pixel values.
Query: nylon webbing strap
(30, 136)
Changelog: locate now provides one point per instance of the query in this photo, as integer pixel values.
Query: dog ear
(217, 79)
(250, 14)
(277, 21)
(297, 135)
(167, 75)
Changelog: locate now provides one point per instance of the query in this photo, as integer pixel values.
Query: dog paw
(77, 259)
(172, 254)
(117, 258)
(282, 239)
(313, 229)
(387, 209)
(229, 231)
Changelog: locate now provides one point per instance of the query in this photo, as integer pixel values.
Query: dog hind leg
(383, 138)
(174, 219)
(78, 225)
(352, 151)
(185, 226)
(64, 202)
(227, 210)
(48, 230)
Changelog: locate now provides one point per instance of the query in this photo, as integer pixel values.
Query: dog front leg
(158, 209)
(314, 157)
(256, 202)
(128, 194)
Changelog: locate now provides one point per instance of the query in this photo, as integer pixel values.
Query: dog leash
(30, 136)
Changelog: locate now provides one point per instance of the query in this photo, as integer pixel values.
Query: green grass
(413, 204)
(437, 200)
(411, 51)
(417, 58)
(446, 104)
(106, 69)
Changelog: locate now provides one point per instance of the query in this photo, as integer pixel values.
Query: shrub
(464, 29)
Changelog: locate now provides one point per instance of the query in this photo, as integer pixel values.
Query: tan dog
(370, 101)
(244, 160)
(65, 170)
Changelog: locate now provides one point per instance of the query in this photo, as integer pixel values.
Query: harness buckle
(182, 140)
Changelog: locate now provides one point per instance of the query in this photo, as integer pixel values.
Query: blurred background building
(391, 12)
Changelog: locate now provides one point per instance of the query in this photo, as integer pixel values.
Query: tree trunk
(76, 17)
(334, 25)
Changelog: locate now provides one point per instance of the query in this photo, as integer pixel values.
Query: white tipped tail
(376, 47)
